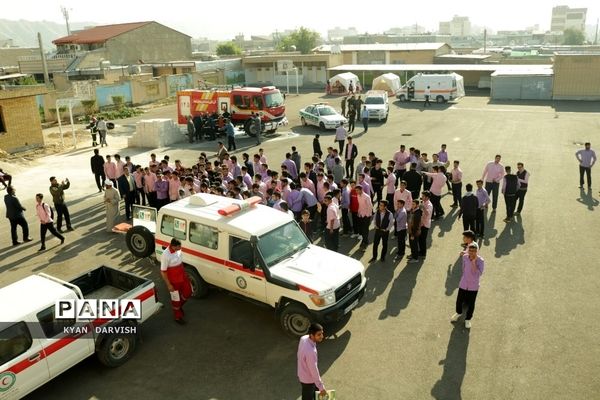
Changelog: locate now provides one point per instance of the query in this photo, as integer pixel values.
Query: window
(203, 235)
(51, 326)
(2, 125)
(257, 102)
(238, 101)
(241, 251)
(174, 227)
(14, 341)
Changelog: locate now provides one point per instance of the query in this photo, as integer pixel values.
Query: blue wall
(179, 82)
(104, 93)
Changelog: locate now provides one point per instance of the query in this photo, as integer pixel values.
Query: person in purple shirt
(161, 187)
(294, 200)
(308, 368)
(472, 269)
(483, 199)
(291, 165)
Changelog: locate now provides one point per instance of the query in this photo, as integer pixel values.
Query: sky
(223, 20)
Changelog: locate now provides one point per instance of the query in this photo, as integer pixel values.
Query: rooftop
(381, 47)
(437, 67)
(99, 34)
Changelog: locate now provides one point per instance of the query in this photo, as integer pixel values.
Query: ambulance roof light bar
(234, 208)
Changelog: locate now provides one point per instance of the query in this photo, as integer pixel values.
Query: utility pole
(596, 37)
(484, 41)
(65, 13)
(44, 64)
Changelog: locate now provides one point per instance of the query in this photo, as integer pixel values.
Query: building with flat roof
(387, 53)
(564, 17)
(457, 26)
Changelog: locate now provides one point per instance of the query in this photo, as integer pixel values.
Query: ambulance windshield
(282, 243)
(274, 99)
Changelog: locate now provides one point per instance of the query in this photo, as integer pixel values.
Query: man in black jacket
(14, 213)
(510, 185)
(413, 181)
(127, 190)
(377, 180)
(468, 208)
(97, 164)
(350, 154)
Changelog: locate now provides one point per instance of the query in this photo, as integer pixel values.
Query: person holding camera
(57, 190)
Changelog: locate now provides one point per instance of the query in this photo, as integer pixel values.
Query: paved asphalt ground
(535, 329)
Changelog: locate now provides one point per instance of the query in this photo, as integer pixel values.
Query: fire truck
(240, 102)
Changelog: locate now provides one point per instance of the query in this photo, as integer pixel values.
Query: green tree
(302, 40)
(228, 49)
(573, 36)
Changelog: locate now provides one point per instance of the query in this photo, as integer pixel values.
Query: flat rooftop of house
(380, 47)
(436, 67)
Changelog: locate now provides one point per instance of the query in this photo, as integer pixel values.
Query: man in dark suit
(97, 164)
(14, 213)
(350, 154)
(127, 190)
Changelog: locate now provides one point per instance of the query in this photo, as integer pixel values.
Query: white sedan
(322, 115)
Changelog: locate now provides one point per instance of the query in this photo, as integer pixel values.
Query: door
(243, 273)
(203, 251)
(23, 366)
(224, 105)
(60, 350)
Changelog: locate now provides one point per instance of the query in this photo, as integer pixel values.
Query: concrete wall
(104, 93)
(576, 77)
(10, 57)
(179, 82)
(151, 43)
(20, 119)
(147, 90)
(370, 57)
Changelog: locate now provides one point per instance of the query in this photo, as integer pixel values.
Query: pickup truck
(36, 346)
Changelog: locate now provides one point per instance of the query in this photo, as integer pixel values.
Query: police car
(322, 115)
(254, 251)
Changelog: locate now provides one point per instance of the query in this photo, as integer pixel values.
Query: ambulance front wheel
(140, 241)
(295, 320)
(116, 349)
(199, 285)
(402, 98)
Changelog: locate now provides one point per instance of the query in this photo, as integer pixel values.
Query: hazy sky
(225, 19)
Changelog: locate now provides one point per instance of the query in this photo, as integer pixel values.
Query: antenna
(65, 13)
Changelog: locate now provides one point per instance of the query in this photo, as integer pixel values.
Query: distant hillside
(24, 33)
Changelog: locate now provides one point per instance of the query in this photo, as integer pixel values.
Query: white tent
(343, 81)
(388, 82)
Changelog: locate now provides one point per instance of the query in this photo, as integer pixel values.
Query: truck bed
(107, 283)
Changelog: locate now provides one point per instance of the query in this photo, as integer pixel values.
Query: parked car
(377, 104)
(322, 115)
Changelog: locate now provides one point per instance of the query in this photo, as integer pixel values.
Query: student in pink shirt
(110, 170)
(149, 181)
(46, 223)
(492, 176)
(427, 208)
(174, 185)
(438, 181)
(390, 188)
(308, 368)
(365, 211)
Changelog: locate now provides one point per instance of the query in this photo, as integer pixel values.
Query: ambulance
(240, 103)
(443, 87)
(255, 252)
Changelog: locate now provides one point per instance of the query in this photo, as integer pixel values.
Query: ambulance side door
(23, 366)
(243, 274)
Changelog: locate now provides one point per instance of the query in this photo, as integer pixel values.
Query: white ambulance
(254, 251)
(443, 87)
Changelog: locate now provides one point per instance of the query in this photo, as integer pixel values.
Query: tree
(303, 40)
(573, 36)
(228, 49)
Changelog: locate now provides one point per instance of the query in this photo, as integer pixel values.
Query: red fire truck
(240, 102)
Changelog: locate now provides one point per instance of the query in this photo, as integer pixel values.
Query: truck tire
(439, 99)
(248, 129)
(116, 349)
(402, 97)
(295, 320)
(199, 285)
(140, 241)
(303, 122)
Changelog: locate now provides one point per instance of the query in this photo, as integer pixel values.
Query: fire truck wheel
(199, 285)
(116, 349)
(295, 320)
(248, 129)
(140, 241)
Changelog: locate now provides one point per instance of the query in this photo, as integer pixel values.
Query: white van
(376, 102)
(254, 251)
(443, 87)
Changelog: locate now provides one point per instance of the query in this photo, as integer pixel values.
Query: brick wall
(21, 121)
